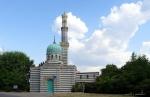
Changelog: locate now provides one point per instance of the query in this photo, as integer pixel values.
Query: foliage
(133, 77)
(78, 87)
(14, 70)
(144, 86)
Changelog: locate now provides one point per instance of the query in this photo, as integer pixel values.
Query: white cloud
(76, 31)
(77, 28)
(1, 50)
(89, 68)
(145, 49)
(122, 23)
(109, 43)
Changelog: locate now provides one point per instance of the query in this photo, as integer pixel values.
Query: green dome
(54, 49)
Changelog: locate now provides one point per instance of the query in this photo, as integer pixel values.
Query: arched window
(80, 76)
(87, 76)
(56, 56)
(52, 57)
(94, 75)
(59, 57)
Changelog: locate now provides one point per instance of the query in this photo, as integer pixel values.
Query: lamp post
(83, 87)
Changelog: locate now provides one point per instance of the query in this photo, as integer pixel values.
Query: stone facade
(64, 39)
(86, 77)
(62, 76)
(34, 79)
(55, 75)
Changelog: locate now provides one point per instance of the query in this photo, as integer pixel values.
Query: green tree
(133, 57)
(133, 77)
(14, 70)
(144, 86)
(105, 81)
(78, 87)
(110, 70)
(135, 71)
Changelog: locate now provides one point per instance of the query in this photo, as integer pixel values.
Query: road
(23, 94)
(6, 95)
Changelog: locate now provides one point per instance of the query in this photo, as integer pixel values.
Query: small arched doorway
(50, 86)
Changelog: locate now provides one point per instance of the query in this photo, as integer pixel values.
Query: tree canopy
(14, 70)
(133, 77)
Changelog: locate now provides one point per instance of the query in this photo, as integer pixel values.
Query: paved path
(7, 95)
(23, 94)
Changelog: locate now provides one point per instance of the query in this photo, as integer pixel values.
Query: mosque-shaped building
(56, 75)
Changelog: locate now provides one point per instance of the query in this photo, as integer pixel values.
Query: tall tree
(14, 70)
(133, 77)
(110, 70)
(136, 71)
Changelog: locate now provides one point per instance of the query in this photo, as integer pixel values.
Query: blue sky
(26, 25)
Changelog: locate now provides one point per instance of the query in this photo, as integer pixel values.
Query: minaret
(54, 42)
(64, 39)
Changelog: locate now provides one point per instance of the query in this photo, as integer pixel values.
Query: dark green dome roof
(54, 49)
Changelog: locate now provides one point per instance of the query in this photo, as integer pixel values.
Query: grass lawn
(87, 95)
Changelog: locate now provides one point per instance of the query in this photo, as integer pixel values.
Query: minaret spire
(54, 42)
(64, 39)
(64, 28)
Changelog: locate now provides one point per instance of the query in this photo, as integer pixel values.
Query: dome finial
(54, 40)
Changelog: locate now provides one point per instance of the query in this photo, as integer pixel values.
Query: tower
(64, 39)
